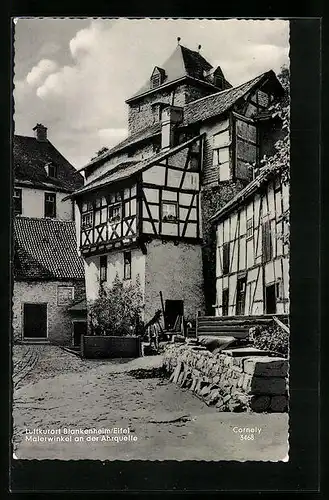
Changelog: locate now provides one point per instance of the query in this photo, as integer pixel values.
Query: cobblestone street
(56, 390)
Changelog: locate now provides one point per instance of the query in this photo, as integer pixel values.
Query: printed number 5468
(247, 437)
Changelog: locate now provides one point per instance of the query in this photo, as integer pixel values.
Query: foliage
(103, 150)
(117, 310)
(279, 162)
(273, 339)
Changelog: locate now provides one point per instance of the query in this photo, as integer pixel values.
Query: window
(127, 265)
(87, 220)
(221, 153)
(50, 205)
(225, 296)
(267, 241)
(103, 268)
(249, 228)
(65, 295)
(17, 201)
(218, 81)
(156, 145)
(226, 258)
(115, 212)
(51, 170)
(155, 80)
(169, 211)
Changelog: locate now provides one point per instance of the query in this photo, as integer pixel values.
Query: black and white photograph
(151, 239)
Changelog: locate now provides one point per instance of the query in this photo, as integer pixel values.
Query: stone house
(252, 258)
(145, 208)
(47, 269)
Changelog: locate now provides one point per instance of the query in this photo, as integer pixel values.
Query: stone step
(219, 326)
(232, 333)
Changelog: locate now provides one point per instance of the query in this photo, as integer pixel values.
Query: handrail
(282, 325)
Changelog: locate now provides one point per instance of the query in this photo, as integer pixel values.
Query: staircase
(230, 326)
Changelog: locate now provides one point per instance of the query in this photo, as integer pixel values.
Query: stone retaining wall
(231, 383)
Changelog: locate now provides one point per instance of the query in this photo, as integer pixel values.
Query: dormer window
(218, 81)
(51, 170)
(157, 77)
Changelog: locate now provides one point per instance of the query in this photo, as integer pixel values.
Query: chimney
(171, 116)
(40, 132)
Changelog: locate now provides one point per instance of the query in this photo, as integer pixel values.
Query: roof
(216, 104)
(183, 62)
(139, 136)
(46, 249)
(79, 306)
(265, 174)
(124, 172)
(30, 157)
(196, 111)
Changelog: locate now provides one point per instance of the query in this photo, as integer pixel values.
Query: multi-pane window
(169, 211)
(115, 212)
(50, 205)
(115, 207)
(65, 295)
(103, 268)
(87, 215)
(17, 201)
(249, 228)
(127, 265)
(155, 80)
(226, 258)
(221, 153)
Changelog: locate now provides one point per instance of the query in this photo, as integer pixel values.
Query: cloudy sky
(73, 75)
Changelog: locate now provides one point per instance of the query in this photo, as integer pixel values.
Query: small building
(48, 271)
(252, 258)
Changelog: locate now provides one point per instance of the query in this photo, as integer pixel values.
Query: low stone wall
(230, 382)
(101, 346)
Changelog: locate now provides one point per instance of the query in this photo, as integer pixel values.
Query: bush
(117, 310)
(274, 339)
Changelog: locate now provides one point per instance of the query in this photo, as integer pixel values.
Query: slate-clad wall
(59, 318)
(257, 383)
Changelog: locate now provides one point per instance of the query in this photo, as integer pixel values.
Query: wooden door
(173, 308)
(79, 328)
(35, 321)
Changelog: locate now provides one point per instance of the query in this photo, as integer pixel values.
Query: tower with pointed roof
(183, 78)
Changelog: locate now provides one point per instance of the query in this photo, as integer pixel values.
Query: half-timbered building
(252, 258)
(146, 205)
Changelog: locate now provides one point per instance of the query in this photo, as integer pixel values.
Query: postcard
(150, 305)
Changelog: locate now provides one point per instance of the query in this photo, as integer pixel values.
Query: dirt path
(159, 420)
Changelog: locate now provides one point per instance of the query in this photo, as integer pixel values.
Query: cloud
(40, 71)
(112, 135)
(84, 99)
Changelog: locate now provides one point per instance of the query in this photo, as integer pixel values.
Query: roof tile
(30, 157)
(47, 249)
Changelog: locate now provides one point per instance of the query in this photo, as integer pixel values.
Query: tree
(117, 310)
